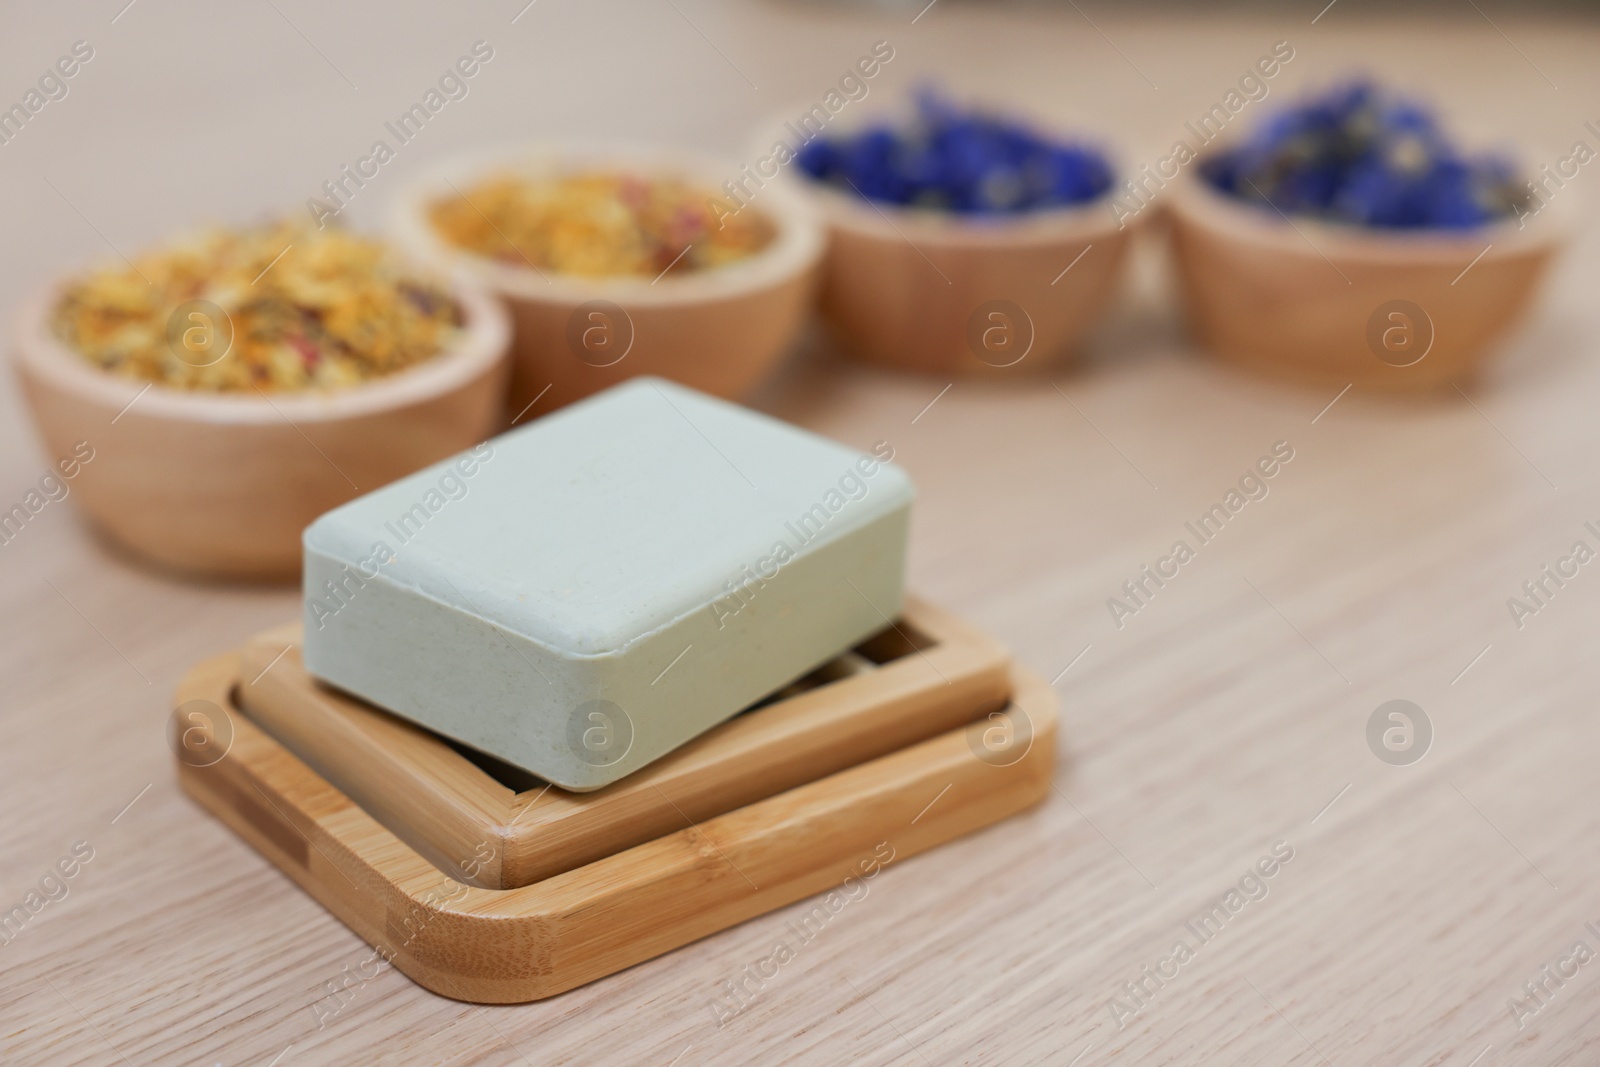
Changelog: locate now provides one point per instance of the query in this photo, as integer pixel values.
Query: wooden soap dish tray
(492, 825)
(514, 945)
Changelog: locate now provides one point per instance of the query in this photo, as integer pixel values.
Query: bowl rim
(796, 247)
(484, 343)
(1194, 200)
(1085, 221)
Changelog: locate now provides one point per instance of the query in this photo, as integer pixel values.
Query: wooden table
(1227, 717)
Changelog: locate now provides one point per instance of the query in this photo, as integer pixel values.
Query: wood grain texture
(532, 942)
(1297, 300)
(1210, 725)
(490, 834)
(921, 295)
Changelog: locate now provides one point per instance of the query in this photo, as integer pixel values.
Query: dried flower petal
(333, 310)
(598, 225)
(969, 163)
(1359, 154)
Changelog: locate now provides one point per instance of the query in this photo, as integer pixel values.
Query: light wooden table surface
(1228, 715)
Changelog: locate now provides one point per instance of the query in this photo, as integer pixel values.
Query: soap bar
(582, 595)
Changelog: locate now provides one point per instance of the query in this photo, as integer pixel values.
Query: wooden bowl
(719, 330)
(221, 485)
(1331, 305)
(945, 294)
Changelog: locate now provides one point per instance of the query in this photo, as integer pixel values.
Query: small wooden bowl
(1331, 305)
(220, 485)
(948, 294)
(719, 330)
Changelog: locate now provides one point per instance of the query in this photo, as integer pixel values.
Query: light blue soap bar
(581, 596)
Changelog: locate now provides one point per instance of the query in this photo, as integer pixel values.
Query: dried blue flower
(1358, 154)
(968, 163)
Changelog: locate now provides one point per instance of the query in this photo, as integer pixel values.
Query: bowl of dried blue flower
(960, 240)
(1347, 240)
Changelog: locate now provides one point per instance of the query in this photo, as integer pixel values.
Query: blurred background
(190, 112)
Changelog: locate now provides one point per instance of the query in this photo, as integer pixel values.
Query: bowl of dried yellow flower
(238, 383)
(617, 262)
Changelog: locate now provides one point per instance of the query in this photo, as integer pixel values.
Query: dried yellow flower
(598, 225)
(276, 308)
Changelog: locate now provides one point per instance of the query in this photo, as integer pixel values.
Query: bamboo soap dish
(789, 799)
(493, 825)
